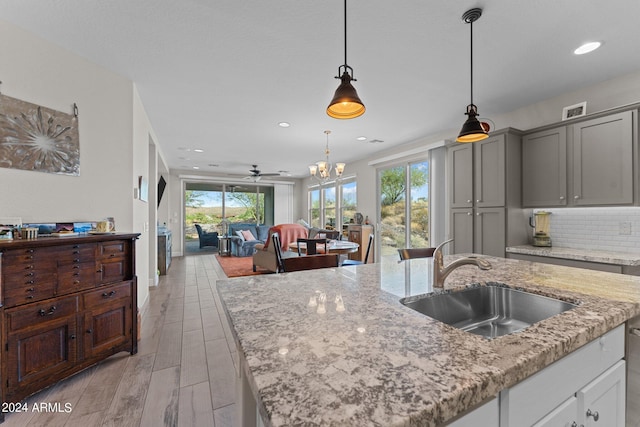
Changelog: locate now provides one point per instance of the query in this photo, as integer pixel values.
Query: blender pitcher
(541, 224)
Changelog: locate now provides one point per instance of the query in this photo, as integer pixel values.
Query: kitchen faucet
(440, 272)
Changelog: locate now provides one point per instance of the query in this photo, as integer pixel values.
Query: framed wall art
(37, 138)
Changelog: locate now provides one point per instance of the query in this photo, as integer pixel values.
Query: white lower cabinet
(586, 388)
(486, 415)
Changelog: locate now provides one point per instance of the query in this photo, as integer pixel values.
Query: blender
(540, 222)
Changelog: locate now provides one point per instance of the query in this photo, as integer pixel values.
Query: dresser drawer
(76, 277)
(36, 314)
(75, 254)
(29, 292)
(106, 294)
(117, 248)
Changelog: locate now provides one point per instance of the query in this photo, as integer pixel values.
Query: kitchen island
(365, 359)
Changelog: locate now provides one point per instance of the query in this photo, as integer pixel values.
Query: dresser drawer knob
(31, 289)
(89, 331)
(43, 313)
(73, 337)
(30, 274)
(29, 282)
(108, 295)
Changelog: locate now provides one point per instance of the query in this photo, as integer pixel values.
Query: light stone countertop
(380, 363)
(604, 257)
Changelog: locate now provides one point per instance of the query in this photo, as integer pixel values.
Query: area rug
(238, 266)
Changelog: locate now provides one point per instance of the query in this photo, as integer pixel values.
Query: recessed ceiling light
(587, 47)
(198, 150)
(361, 138)
(196, 167)
(284, 124)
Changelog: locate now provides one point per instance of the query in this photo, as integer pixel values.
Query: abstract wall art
(37, 138)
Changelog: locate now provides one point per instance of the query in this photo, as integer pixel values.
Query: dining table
(333, 247)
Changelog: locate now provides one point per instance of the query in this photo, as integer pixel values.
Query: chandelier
(322, 169)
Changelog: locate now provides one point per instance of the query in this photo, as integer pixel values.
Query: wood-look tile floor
(183, 374)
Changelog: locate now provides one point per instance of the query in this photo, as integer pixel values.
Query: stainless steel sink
(490, 311)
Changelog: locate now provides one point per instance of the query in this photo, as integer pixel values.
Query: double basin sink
(490, 311)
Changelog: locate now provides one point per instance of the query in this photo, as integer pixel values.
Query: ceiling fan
(256, 175)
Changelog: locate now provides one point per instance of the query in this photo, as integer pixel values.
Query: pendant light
(346, 103)
(472, 130)
(322, 169)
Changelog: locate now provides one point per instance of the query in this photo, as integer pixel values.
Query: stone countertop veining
(379, 363)
(591, 255)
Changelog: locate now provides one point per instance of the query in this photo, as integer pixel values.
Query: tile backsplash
(606, 228)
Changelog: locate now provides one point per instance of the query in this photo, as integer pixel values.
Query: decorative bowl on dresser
(66, 304)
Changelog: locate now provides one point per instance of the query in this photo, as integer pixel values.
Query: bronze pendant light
(346, 103)
(472, 130)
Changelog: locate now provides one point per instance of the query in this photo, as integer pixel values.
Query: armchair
(265, 254)
(206, 238)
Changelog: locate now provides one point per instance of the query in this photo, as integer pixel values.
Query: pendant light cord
(345, 33)
(471, 24)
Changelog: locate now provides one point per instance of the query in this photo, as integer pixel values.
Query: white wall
(36, 71)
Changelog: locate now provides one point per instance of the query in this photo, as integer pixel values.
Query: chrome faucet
(440, 272)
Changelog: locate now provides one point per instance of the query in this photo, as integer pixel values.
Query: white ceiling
(220, 74)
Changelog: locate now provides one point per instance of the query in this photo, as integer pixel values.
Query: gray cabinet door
(461, 231)
(489, 232)
(603, 161)
(489, 172)
(460, 176)
(544, 168)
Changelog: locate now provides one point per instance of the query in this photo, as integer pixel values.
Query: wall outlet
(625, 229)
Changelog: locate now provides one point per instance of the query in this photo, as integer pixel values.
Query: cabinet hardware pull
(29, 251)
(30, 289)
(468, 201)
(29, 296)
(30, 274)
(76, 267)
(73, 337)
(108, 295)
(29, 282)
(112, 255)
(634, 331)
(89, 331)
(595, 415)
(561, 197)
(76, 260)
(99, 271)
(576, 197)
(52, 310)
(29, 267)
(76, 252)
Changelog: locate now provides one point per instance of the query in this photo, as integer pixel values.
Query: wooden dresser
(360, 235)
(67, 303)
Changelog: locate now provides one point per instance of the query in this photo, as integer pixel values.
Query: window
(333, 205)
(404, 194)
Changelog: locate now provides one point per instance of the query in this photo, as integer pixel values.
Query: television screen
(161, 185)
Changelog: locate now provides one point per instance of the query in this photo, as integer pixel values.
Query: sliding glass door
(402, 224)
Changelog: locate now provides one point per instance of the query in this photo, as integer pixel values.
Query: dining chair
(366, 256)
(311, 246)
(277, 248)
(415, 253)
(310, 262)
(329, 234)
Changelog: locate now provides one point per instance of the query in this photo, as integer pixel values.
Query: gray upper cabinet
(460, 175)
(484, 193)
(588, 163)
(489, 172)
(603, 161)
(544, 168)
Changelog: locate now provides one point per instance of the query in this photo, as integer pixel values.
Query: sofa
(243, 244)
(265, 256)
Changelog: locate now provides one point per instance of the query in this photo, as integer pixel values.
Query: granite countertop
(379, 363)
(604, 257)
